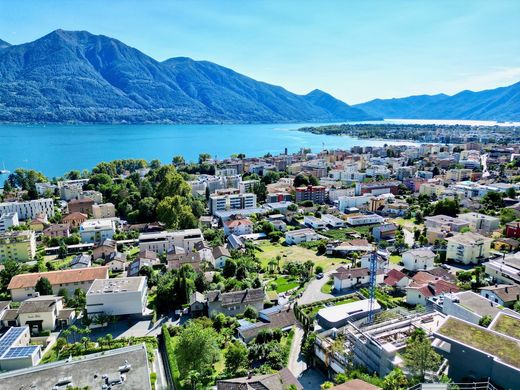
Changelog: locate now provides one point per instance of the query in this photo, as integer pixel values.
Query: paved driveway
(312, 292)
(296, 364)
(311, 379)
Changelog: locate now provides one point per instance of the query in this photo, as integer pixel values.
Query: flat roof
(334, 314)
(117, 285)
(477, 304)
(504, 348)
(86, 371)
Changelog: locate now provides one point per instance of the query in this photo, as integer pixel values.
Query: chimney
(507, 290)
(249, 375)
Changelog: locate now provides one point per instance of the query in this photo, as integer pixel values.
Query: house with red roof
(396, 279)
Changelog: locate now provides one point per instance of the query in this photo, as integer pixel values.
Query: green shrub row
(172, 362)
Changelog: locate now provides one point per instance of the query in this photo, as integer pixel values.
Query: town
(384, 267)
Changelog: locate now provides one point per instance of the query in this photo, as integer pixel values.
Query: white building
(119, 296)
(333, 221)
(15, 351)
(481, 223)
(505, 270)
(231, 202)
(348, 278)
(364, 219)
(347, 202)
(162, 242)
(301, 235)
(29, 209)
(8, 220)
(314, 222)
(97, 230)
(421, 259)
(17, 245)
(468, 248)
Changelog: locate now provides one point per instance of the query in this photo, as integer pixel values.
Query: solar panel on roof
(17, 352)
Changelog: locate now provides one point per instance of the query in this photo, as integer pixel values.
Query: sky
(357, 50)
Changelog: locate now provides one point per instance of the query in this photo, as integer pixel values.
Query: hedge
(172, 362)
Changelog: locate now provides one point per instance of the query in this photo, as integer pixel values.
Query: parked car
(319, 276)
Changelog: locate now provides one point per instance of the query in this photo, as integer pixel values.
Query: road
(296, 364)
(161, 383)
(312, 292)
(408, 237)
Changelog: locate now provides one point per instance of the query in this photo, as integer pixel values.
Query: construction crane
(372, 286)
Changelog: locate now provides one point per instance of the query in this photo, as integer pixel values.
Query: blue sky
(354, 49)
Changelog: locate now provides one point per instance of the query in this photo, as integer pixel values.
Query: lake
(57, 149)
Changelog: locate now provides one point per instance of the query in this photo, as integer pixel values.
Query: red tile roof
(59, 277)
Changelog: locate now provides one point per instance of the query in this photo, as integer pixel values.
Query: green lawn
(270, 250)
(328, 287)
(395, 259)
(284, 284)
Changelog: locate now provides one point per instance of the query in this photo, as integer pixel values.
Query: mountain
(4, 44)
(500, 104)
(75, 76)
(337, 107)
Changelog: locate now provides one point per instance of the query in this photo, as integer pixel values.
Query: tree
(420, 356)
(196, 349)
(446, 207)
(11, 269)
(176, 213)
(230, 268)
(250, 313)
(204, 157)
(327, 385)
(395, 380)
(43, 286)
(178, 160)
(236, 358)
(516, 306)
(492, 200)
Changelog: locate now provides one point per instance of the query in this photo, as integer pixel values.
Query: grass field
(395, 259)
(284, 284)
(293, 253)
(328, 287)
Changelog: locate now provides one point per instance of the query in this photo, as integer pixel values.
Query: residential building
(333, 221)
(420, 259)
(238, 227)
(96, 196)
(378, 188)
(505, 270)
(107, 247)
(126, 368)
(347, 202)
(8, 220)
(502, 294)
(116, 262)
(29, 209)
(481, 223)
(74, 219)
(316, 194)
(83, 206)
(396, 279)
(468, 248)
(17, 245)
(314, 222)
(301, 235)
(347, 278)
(467, 306)
(44, 313)
(431, 189)
(176, 261)
(57, 230)
(446, 223)
(234, 302)
(220, 256)
(22, 286)
(278, 197)
(385, 231)
(231, 202)
(364, 219)
(104, 210)
(81, 261)
(162, 242)
(425, 286)
(276, 317)
(16, 352)
(477, 352)
(513, 229)
(119, 296)
(281, 380)
(97, 230)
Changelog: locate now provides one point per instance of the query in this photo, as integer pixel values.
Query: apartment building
(120, 296)
(97, 230)
(8, 220)
(104, 210)
(468, 248)
(420, 259)
(301, 235)
(231, 202)
(364, 219)
(445, 223)
(162, 242)
(504, 270)
(30, 209)
(378, 188)
(316, 194)
(481, 223)
(17, 245)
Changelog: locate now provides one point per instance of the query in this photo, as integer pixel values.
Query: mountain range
(76, 76)
(500, 104)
